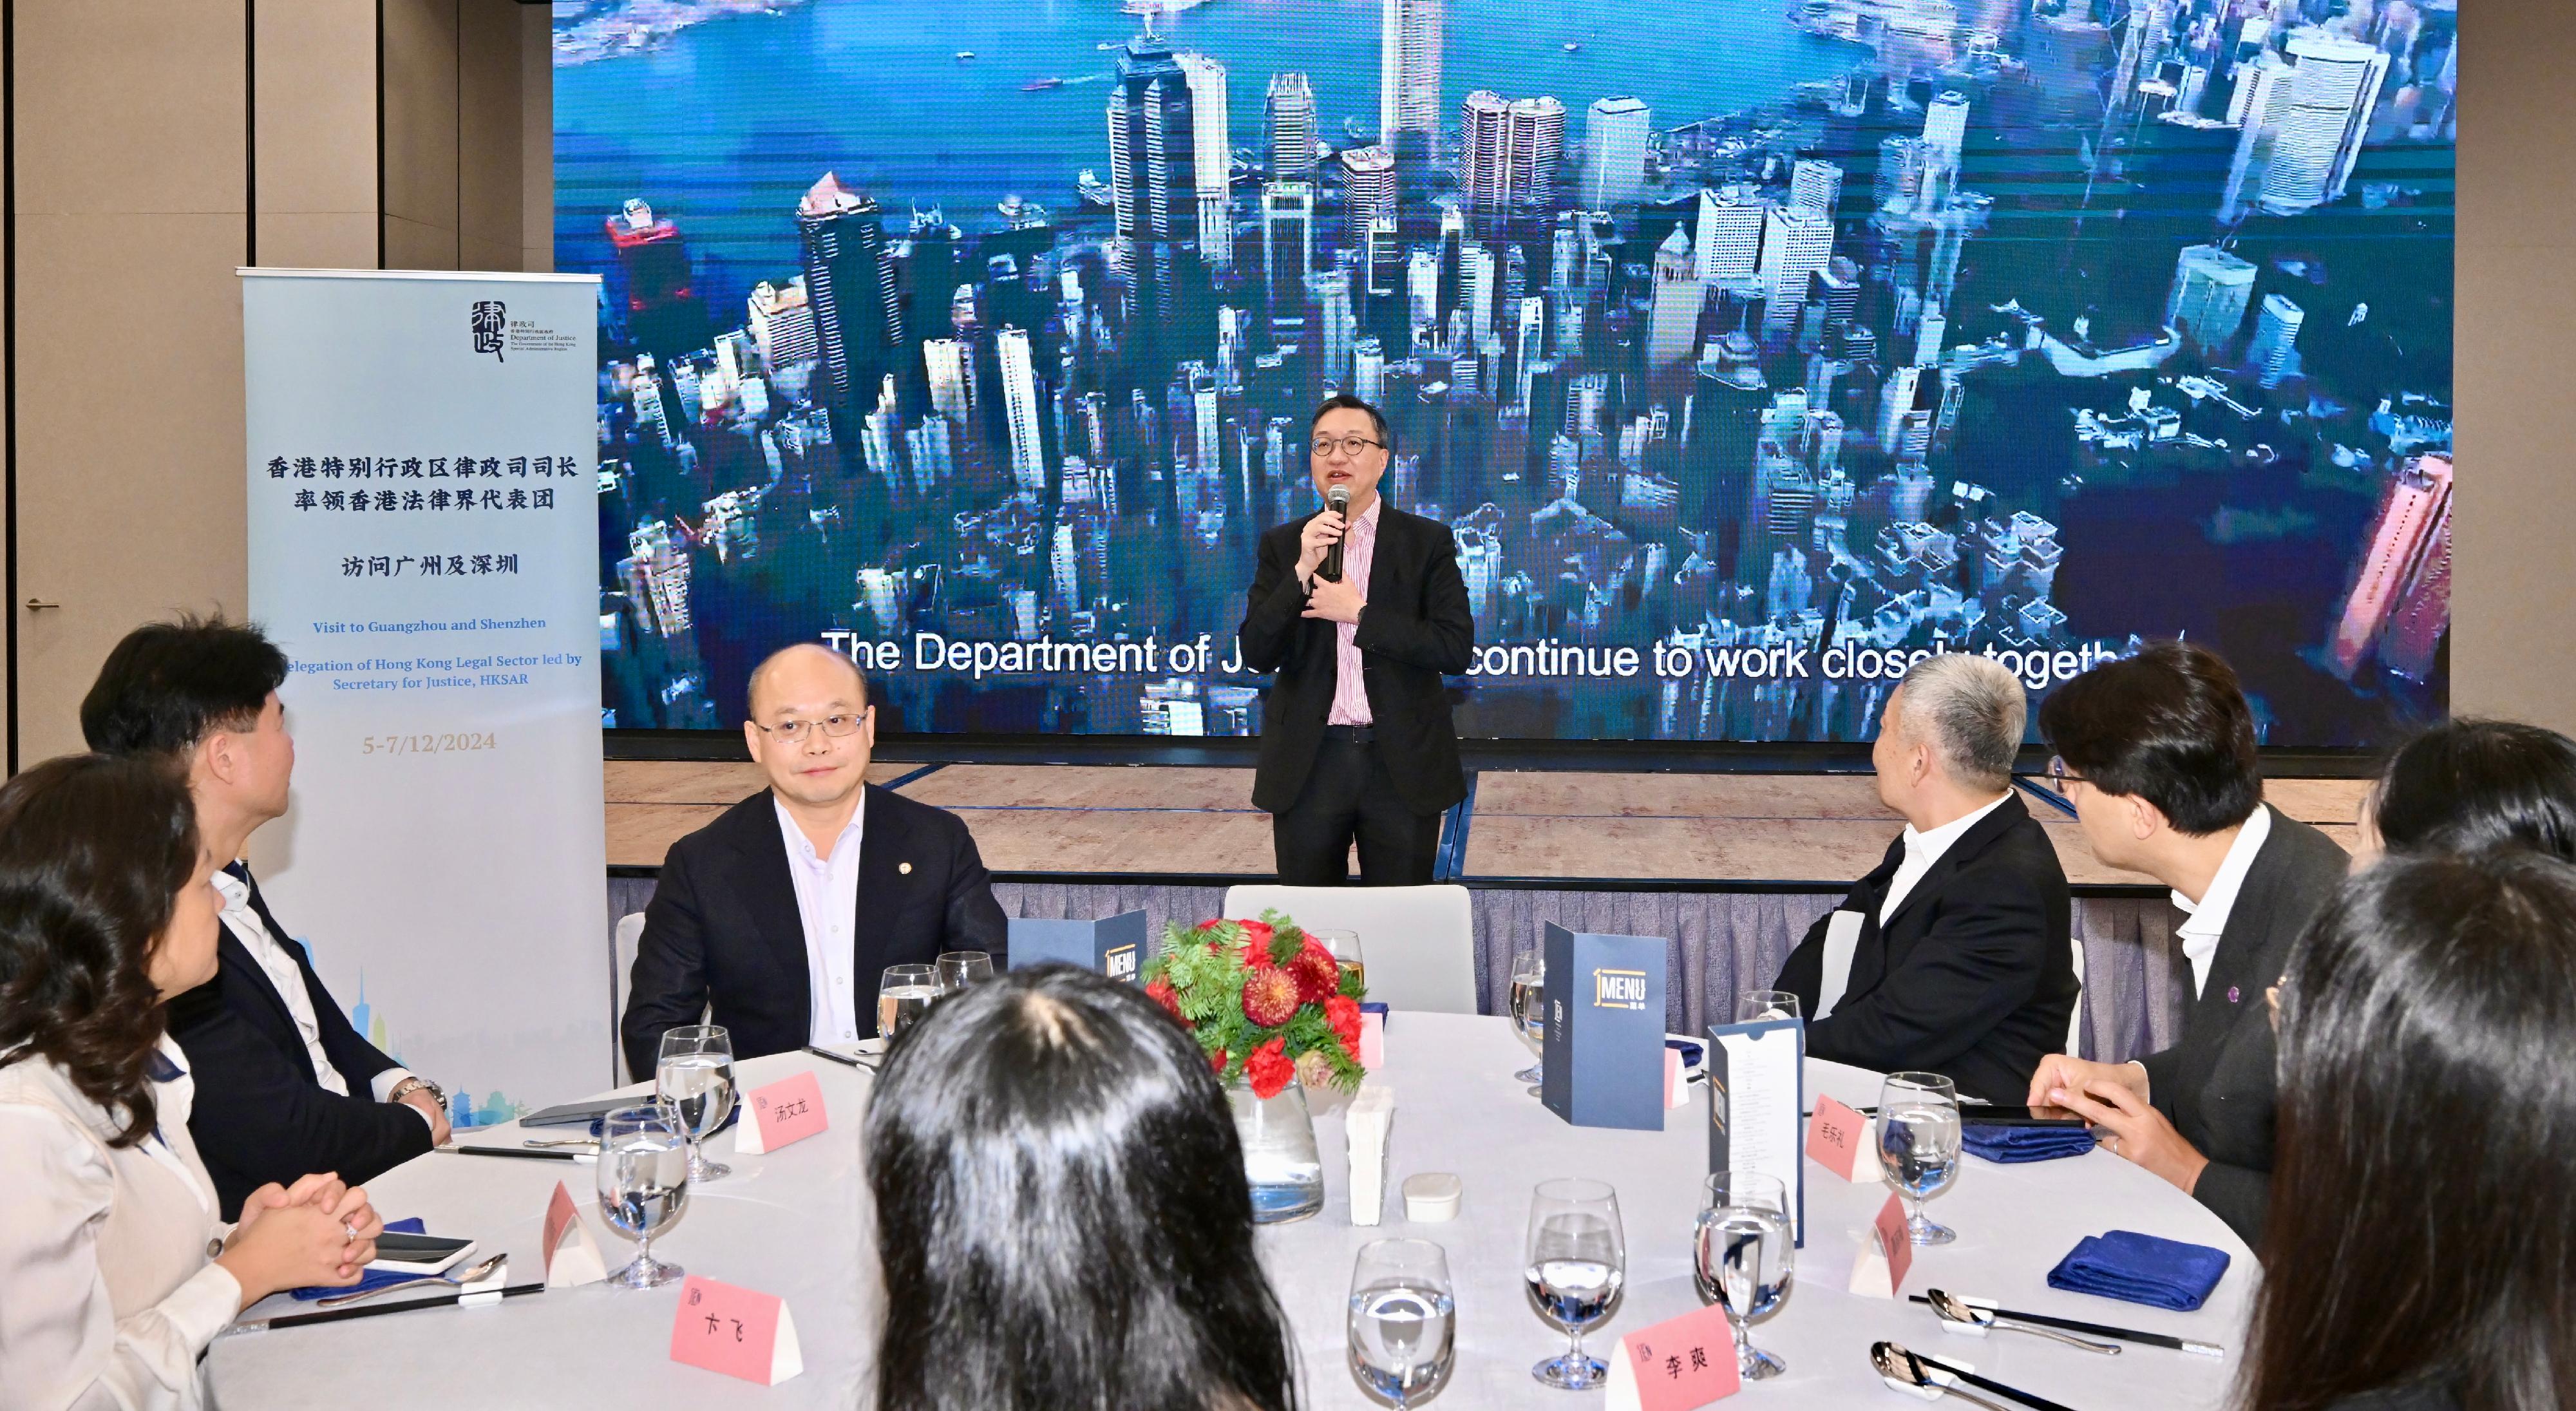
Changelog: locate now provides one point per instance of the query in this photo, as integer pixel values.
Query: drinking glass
(694, 1079)
(1403, 1321)
(903, 996)
(643, 1179)
(1759, 1006)
(1918, 1144)
(960, 968)
(1529, 1012)
(1578, 1262)
(1345, 946)
(1742, 1258)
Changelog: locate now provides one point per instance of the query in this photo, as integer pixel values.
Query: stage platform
(1556, 830)
(1731, 867)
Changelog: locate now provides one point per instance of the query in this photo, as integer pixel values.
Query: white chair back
(1419, 942)
(621, 968)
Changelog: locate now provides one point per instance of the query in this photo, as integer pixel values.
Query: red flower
(1162, 993)
(1269, 998)
(1217, 1062)
(1343, 1013)
(1319, 976)
(1269, 1068)
(1256, 934)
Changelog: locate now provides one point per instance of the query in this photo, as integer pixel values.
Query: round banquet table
(798, 1223)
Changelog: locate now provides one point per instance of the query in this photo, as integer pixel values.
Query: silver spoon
(479, 1271)
(1897, 1364)
(591, 1143)
(1954, 1309)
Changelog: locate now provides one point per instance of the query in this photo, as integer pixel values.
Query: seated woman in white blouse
(114, 1270)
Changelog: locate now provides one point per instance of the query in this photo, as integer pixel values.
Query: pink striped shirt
(1350, 690)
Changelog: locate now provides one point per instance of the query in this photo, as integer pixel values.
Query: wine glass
(1578, 1261)
(695, 1080)
(1529, 1013)
(1403, 1321)
(1918, 1144)
(960, 968)
(903, 996)
(1762, 1006)
(1345, 947)
(643, 1179)
(1742, 1258)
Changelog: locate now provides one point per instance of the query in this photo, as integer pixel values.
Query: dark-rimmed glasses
(2059, 776)
(1349, 446)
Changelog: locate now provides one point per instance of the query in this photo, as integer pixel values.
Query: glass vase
(1279, 1158)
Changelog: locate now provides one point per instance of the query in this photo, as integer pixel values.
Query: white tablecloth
(797, 1223)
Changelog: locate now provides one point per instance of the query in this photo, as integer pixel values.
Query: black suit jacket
(2216, 1085)
(1972, 977)
(723, 928)
(1415, 630)
(259, 1115)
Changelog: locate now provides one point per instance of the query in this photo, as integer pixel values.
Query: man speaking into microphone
(1360, 610)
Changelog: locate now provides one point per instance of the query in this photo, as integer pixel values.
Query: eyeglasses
(2059, 776)
(1349, 446)
(795, 731)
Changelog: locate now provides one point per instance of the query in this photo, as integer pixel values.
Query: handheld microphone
(1338, 500)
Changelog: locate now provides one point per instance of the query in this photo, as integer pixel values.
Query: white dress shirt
(108, 1289)
(827, 903)
(287, 978)
(2207, 920)
(1924, 849)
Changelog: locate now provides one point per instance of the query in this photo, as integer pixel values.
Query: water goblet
(1403, 1321)
(643, 1183)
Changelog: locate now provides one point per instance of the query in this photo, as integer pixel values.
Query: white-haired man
(1951, 956)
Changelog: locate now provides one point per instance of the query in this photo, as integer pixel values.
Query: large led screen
(1749, 348)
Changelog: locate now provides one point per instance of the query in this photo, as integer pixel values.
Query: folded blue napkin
(2016, 1144)
(2138, 1268)
(373, 1278)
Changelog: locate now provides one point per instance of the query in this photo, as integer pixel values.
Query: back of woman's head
(2423, 1222)
(2468, 784)
(1062, 1213)
(93, 853)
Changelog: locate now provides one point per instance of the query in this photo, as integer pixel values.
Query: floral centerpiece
(1265, 1000)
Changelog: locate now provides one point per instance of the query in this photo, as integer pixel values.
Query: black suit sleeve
(1272, 609)
(668, 987)
(2239, 1195)
(974, 920)
(1443, 637)
(258, 1118)
(1979, 962)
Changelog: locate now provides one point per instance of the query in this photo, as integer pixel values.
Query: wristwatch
(417, 1083)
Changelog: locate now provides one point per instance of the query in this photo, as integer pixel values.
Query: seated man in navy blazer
(783, 913)
(1952, 955)
(285, 1085)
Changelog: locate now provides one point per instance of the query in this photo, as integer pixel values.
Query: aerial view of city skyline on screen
(1749, 348)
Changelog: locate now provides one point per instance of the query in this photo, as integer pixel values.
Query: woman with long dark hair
(2467, 784)
(2421, 1252)
(1062, 1213)
(115, 1269)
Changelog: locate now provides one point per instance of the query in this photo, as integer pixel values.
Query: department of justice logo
(1618, 989)
(490, 319)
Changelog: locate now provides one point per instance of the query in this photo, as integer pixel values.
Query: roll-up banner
(423, 514)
